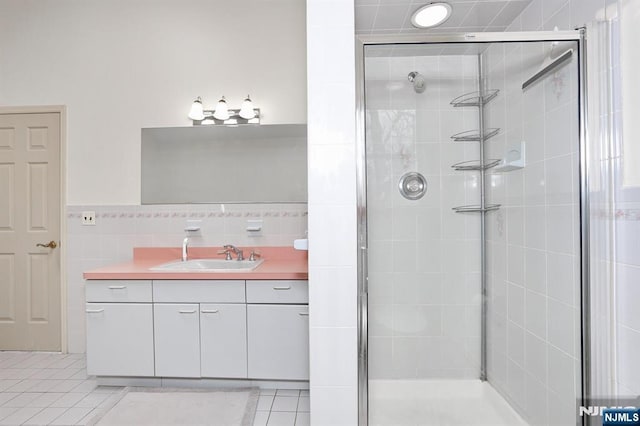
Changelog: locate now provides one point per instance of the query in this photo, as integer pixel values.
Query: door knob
(52, 244)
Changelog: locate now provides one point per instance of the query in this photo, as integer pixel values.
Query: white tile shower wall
(424, 259)
(533, 239)
(569, 14)
(119, 229)
(332, 212)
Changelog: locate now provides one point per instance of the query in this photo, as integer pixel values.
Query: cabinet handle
(117, 287)
(303, 314)
(187, 312)
(283, 288)
(94, 311)
(212, 311)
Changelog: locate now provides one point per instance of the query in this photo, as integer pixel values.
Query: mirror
(225, 164)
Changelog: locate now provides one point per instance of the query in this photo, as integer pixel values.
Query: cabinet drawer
(118, 291)
(277, 291)
(198, 291)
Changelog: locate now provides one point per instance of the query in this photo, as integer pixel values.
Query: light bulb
(222, 112)
(197, 112)
(246, 110)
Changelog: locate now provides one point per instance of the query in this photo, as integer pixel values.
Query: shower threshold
(438, 402)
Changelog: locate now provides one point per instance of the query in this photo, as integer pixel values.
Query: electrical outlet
(88, 218)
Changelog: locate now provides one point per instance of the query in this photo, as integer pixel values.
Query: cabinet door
(223, 340)
(278, 339)
(177, 339)
(119, 339)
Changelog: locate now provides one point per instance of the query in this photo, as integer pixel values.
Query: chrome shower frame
(361, 182)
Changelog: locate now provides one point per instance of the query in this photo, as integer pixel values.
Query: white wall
(424, 259)
(123, 65)
(332, 212)
(533, 240)
(625, 217)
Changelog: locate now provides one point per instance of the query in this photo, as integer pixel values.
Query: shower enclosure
(472, 229)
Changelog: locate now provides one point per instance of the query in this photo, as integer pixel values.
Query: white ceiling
(394, 16)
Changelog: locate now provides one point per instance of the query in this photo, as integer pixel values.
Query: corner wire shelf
(475, 165)
(475, 208)
(474, 135)
(474, 98)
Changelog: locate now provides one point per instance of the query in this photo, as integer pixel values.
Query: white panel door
(119, 339)
(278, 339)
(30, 304)
(177, 339)
(223, 340)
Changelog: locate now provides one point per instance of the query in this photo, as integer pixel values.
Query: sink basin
(209, 265)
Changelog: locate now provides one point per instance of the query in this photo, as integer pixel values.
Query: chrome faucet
(236, 250)
(185, 246)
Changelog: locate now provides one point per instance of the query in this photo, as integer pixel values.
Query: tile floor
(39, 388)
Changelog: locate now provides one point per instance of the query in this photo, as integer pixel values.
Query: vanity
(202, 326)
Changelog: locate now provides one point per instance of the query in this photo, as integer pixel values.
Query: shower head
(419, 83)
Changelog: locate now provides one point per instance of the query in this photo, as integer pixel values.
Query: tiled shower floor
(39, 388)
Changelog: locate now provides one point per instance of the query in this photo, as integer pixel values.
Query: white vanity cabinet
(227, 329)
(177, 339)
(205, 334)
(119, 328)
(223, 340)
(278, 329)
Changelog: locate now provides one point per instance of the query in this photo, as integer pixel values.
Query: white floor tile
(281, 419)
(68, 400)
(304, 404)
(65, 373)
(43, 373)
(23, 400)
(265, 402)
(7, 411)
(268, 391)
(7, 396)
(92, 400)
(72, 416)
(22, 415)
(46, 416)
(80, 375)
(87, 385)
(67, 386)
(303, 419)
(23, 385)
(261, 418)
(43, 386)
(304, 392)
(288, 392)
(46, 399)
(285, 403)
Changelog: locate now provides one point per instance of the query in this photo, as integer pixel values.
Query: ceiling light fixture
(431, 15)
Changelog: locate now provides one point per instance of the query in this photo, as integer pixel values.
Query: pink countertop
(280, 263)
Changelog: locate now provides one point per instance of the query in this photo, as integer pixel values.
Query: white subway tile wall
(569, 14)
(119, 229)
(424, 259)
(332, 212)
(533, 240)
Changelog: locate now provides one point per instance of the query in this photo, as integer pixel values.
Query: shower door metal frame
(579, 36)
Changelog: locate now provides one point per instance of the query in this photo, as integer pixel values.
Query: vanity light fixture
(197, 112)
(431, 15)
(222, 110)
(246, 110)
(247, 114)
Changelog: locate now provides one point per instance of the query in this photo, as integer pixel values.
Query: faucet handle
(227, 252)
(254, 254)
